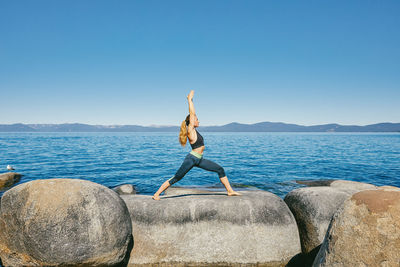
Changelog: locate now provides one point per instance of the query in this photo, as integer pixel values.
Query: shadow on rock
(125, 261)
(304, 259)
(200, 194)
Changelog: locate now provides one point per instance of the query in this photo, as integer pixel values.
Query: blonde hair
(183, 134)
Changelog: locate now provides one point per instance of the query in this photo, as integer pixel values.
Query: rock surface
(63, 222)
(389, 188)
(313, 208)
(341, 184)
(181, 191)
(125, 189)
(351, 187)
(9, 178)
(210, 228)
(364, 232)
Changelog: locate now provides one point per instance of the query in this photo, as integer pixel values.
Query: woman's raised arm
(191, 106)
(192, 113)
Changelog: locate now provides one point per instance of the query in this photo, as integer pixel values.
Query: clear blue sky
(134, 62)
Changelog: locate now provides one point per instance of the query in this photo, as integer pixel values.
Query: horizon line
(177, 125)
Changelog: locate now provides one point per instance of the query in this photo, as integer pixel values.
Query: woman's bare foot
(155, 197)
(234, 193)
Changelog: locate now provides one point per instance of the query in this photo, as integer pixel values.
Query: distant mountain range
(231, 127)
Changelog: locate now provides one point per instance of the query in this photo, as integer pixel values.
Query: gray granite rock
(64, 222)
(313, 208)
(365, 231)
(8, 179)
(210, 228)
(125, 189)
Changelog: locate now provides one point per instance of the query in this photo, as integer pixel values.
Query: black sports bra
(199, 142)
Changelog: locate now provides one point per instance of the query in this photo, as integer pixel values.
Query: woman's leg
(214, 167)
(164, 186)
(186, 166)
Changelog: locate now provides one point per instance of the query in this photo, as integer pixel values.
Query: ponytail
(183, 134)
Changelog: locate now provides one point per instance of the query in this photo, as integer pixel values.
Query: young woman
(195, 157)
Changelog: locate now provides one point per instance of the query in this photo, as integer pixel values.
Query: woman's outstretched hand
(190, 95)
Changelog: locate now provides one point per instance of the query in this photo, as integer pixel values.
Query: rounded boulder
(64, 222)
(199, 228)
(364, 232)
(313, 208)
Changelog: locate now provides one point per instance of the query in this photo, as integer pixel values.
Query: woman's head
(183, 134)
(196, 121)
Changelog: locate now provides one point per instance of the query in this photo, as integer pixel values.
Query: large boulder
(64, 222)
(8, 179)
(210, 228)
(313, 208)
(364, 232)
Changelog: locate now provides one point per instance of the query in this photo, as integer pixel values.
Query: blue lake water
(268, 161)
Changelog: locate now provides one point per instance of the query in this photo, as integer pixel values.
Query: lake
(267, 161)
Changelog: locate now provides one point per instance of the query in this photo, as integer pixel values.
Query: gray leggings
(190, 161)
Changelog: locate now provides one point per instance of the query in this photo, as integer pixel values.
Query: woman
(195, 157)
